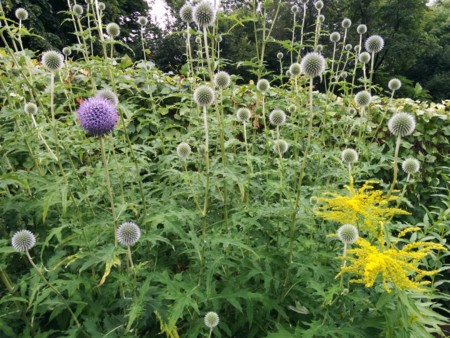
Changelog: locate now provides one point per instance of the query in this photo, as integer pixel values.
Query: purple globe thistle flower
(98, 116)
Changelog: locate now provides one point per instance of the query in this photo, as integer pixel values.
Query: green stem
(53, 288)
(208, 61)
(394, 180)
(108, 186)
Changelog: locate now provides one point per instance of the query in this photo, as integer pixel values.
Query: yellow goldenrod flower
(364, 207)
(395, 266)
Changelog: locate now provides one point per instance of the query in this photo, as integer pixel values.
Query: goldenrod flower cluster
(394, 265)
(364, 207)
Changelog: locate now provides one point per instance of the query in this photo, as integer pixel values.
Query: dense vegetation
(134, 202)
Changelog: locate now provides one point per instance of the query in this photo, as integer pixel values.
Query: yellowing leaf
(115, 261)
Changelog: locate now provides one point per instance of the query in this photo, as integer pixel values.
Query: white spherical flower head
(280, 147)
(66, 51)
(295, 69)
(31, 108)
(263, 85)
(361, 29)
(142, 20)
(292, 108)
(346, 23)
(78, 10)
(113, 29)
(335, 37)
(23, 240)
(402, 124)
(277, 117)
(349, 155)
(374, 44)
(319, 48)
(21, 14)
(348, 47)
(204, 14)
(128, 234)
(363, 98)
(357, 48)
(321, 18)
(294, 9)
(348, 234)
(183, 150)
(279, 55)
(187, 13)
(411, 166)
(109, 95)
(394, 84)
(101, 6)
(222, 79)
(313, 64)
(364, 58)
(204, 96)
(211, 319)
(318, 5)
(52, 60)
(243, 114)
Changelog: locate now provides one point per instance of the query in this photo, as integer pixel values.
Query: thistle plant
(394, 85)
(183, 151)
(410, 166)
(346, 24)
(113, 30)
(211, 320)
(23, 241)
(401, 125)
(280, 60)
(347, 234)
(305, 4)
(294, 10)
(295, 71)
(127, 235)
(364, 58)
(334, 38)
(204, 16)
(109, 95)
(98, 116)
(263, 86)
(187, 15)
(21, 15)
(277, 118)
(319, 6)
(374, 44)
(349, 156)
(243, 115)
(361, 30)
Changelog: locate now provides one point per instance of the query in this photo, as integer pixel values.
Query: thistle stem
(394, 180)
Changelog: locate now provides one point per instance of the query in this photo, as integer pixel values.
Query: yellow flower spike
(364, 207)
(406, 231)
(396, 267)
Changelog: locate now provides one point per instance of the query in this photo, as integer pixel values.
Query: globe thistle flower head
(109, 95)
(128, 234)
(335, 37)
(263, 85)
(31, 108)
(280, 147)
(280, 55)
(363, 98)
(101, 6)
(319, 48)
(277, 117)
(402, 124)
(292, 108)
(349, 155)
(321, 18)
(348, 234)
(183, 150)
(304, 2)
(21, 14)
(142, 20)
(411, 166)
(295, 69)
(67, 51)
(23, 240)
(52, 60)
(352, 111)
(348, 47)
(374, 44)
(361, 29)
(97, 115)
(313, 64)
(357, 48)
(204, 96)
(318, 5)
(364, 58)
(346, 23)
(394, 84)
(243, 114)
(294, 9)
(222, 79)
(187, 13)
(113, 29)
(211, 319)
(78, 10)
(204, 14)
